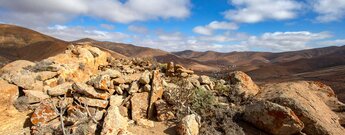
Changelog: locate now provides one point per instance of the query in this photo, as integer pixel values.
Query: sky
(177, 25)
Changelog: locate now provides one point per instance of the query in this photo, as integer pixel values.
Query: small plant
(201, 100)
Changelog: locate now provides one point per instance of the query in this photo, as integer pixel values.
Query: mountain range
(321, 64)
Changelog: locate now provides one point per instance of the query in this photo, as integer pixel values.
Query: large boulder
(243, 84)
(189, 125)
(273, 118)
(317, 117)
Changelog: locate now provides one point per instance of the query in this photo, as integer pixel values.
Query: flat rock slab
(89, 91)
(140, 103)
(44, 113)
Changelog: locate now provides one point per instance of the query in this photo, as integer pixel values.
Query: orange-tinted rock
(44, 113)
(309, 107)
(243, 84)
(9, 93)
(273, 118)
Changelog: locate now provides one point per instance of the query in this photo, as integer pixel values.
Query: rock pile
(87, 91)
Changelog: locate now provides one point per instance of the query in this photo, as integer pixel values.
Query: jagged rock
(123, 111)
(116, 100)
(59, 90)
(170, 69)
(124, 87)
(76, 113)
(114, 122)
(243, 84)
(49, 127)
(156, 91)
(92, 102)
(317, 117)
(145, 123)
(183, 70)
(145, 78)
(101, 82)
(189, 125)
(188, 85)
(147, 88)
(118, 90)
(139, 103)
(205, 79)
(111, 73)
(325, 93)
(164, 112)
(51, 82)
(273, 118)
(89, 91)
(9, 94)
(134, 87)
(45, 75)
(35, 96)
(132, 77)
(44, 113)
(118, 81)
(184, 74)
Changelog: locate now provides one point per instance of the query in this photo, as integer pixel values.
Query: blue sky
(176, 25)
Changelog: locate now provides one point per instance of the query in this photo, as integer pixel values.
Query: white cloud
(107, 26)
(329, 10)
(138, 29)
(215, 25)
(78, 32)
(44, 12)
(252, 11)
(202, 30)
(337, 42)
(284, 41)
(225, 42)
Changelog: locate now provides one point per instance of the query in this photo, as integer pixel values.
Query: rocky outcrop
(273, 118)
(317, 117)
(242, 84)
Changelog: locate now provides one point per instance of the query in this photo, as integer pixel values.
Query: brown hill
(321, 64)
(22, 43)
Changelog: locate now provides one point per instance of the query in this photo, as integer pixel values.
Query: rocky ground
(87, 91)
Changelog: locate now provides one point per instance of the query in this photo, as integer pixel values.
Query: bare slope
(22, 43)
